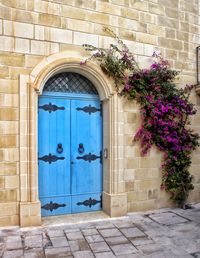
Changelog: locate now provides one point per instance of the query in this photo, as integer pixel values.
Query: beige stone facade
(39, 38)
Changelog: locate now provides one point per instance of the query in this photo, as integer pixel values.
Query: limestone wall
(33, 29)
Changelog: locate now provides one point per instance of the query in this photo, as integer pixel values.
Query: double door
(69, 155)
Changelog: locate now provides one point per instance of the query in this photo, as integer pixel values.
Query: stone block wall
(31, 30)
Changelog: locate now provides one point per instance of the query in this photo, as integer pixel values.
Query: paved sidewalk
(163, 233)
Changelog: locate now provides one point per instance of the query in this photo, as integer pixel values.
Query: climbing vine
(165, 111)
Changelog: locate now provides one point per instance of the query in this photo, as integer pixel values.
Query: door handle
(81, 148)
(59, 148)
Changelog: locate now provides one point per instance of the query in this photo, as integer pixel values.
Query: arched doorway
(69, 145)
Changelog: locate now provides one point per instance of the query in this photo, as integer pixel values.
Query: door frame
(31, 86)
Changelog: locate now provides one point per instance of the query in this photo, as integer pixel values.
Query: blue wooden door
(69, 157)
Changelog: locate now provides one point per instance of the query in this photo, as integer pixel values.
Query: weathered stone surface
(132, 232)
(110, 232)
(116, 240)
(57, 252)
(167, 218)
(74, 236)
(94, 238)
(59, 241)
(124, 249)
(33, 241)
(99, 247)
(83, 254)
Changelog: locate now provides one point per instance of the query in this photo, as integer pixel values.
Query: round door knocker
(81, 148)
(59, 148)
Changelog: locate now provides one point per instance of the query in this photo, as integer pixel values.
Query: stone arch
(114, 196)
(62, 62)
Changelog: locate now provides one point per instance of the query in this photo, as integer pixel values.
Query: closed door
(69, 158)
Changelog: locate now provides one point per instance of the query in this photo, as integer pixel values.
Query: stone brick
(155, 30)
(4, 71)
(170, 43)
(140, 5)
(11, 155)
(83, 38)
(12, 59)
(19, 4)
(18, 29)
(1, 155)
(149, 184)
(6, 43)
(24, 16)
(44, 7)
(131, 163)
(8, 141)
(130, 13)
(170, 33)
(169, 3)
(49, 19)
(39, 32)
(127, 34)
(32, 61)
(73, 12)
(39, 47)
(167, 22)
(147, 18)
(22, 45)
(59, 35)
(153, 194)
(98, 17)
(109, 8)
(11, 181)
(1, 181)
(8, 168)
(142, 27)
(129, 186)
(184, 27)
(146, 38)
(8, 209)
(8, 195)
(182, 36)
(5, 12)
(16, 71)
(172, 13)
(156, 9)
(171, 54)
(8, 114)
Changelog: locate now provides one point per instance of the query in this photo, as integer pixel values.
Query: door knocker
(59, 148)
(81, 148)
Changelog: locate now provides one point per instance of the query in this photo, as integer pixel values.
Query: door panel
(86, 132)
(54, 167)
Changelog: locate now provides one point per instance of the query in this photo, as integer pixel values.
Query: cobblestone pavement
(162, 233)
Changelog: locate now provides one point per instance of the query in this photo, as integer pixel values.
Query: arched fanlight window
(69, 82)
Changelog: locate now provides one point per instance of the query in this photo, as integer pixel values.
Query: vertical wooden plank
(86, 129)
(54, 175)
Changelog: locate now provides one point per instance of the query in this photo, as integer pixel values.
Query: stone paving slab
(164, 233)
(168, 218)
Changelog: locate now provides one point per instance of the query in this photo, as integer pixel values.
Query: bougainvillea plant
(165, 110)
